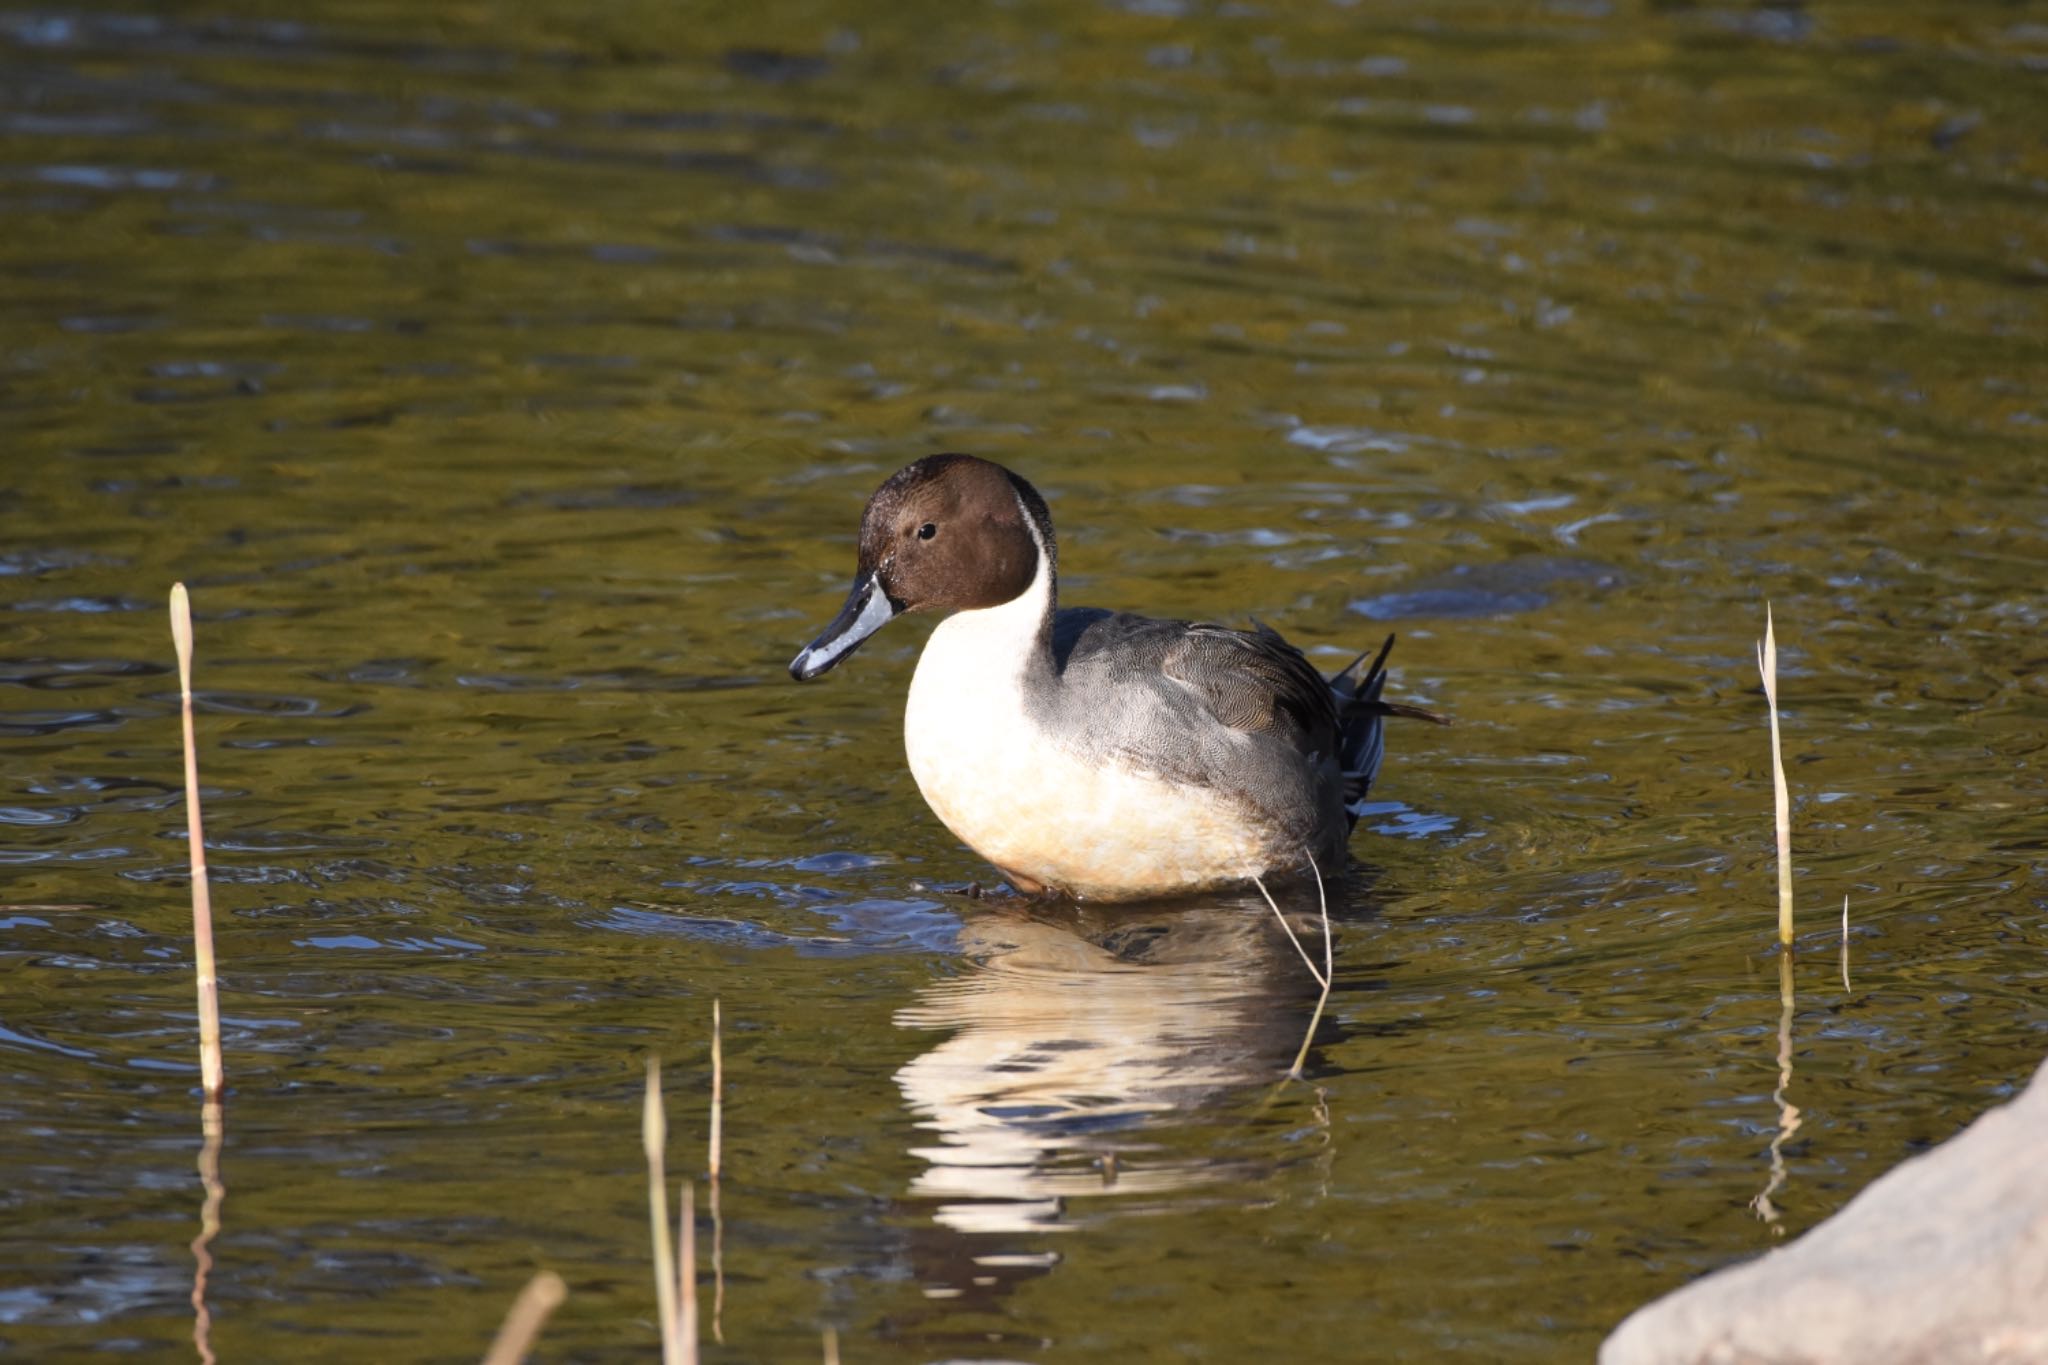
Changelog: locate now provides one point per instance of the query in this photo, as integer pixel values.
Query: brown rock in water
(1942, 1261)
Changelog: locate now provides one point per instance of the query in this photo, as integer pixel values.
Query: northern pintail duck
(1095, 753)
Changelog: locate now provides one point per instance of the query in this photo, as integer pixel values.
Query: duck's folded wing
(1189, 701)
(1254, 681)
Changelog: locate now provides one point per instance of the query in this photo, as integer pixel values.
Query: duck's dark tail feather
(1361, 716)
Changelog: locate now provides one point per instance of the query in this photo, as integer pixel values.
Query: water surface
(506, 383)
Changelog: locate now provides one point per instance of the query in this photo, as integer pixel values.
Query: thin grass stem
(1306, 960)
(1329, 973)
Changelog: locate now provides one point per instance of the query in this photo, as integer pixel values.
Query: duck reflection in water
(1079, 1036)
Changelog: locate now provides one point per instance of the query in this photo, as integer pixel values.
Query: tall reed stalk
(1767, 663)
(543, 1295)
(654, 1140)
(717, 1144)
(211, 1073)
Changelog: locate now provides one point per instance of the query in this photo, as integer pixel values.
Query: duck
(1093, 754)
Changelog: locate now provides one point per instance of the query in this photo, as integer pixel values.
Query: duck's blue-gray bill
(867, 610)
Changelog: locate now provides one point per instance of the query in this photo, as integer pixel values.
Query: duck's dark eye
(927, 531)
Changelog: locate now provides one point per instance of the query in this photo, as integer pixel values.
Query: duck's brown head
(948, 533)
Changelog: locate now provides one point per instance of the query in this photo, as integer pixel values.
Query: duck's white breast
(1030, 803)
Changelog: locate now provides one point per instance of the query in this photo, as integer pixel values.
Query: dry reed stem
(831, 1346)
(211, 1072)
(1329, 969)
(212, 1129)
(1288, 929)
(717, 1086)
(1767, 664)
(717, 1142)
(543, 1295)
(686, 1274)
(654, 1140)
(1329, 973)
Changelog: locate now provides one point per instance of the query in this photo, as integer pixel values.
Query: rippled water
(506, 383)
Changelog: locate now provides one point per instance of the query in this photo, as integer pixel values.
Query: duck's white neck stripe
(1044, 582)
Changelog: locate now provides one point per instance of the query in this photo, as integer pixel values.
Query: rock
(1942, 1261)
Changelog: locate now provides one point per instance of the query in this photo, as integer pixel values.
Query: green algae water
(506, 383)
